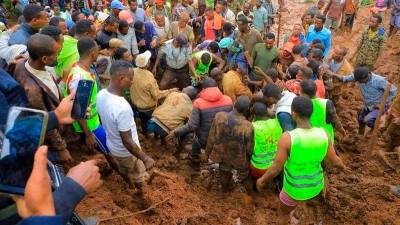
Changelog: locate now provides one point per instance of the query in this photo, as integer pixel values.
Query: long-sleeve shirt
(231, 140)
(233, 86)
(144, 90)
(8, 53)
(373, 90)
(174, 111)
(324, 35)
(149, 35)
(130, 41)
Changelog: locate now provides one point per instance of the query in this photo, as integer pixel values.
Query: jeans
(144, 119)
(286, 121)
(156, 129)
(196, 150)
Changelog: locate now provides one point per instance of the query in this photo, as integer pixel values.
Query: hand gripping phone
(24, 133)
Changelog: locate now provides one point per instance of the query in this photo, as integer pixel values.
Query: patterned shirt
(371, 44)
(231, 140)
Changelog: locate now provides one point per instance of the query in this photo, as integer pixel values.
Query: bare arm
(333, 158)
(192, 67)
(132, 147)
(219, 61)
(257, 70)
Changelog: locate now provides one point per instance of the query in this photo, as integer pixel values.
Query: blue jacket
(149, 34)
(324, 35)
(22, 35)
(11, 94)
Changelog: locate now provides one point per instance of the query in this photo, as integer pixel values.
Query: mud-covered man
(230, 142)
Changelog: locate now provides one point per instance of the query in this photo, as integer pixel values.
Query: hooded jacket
(210, 102)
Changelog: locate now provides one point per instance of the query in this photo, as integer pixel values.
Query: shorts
(349, 20)
(153, 127)
(256, 173)
(287, 200)
(101, 139)
(331, 23)
(368, 117)
(133, 168)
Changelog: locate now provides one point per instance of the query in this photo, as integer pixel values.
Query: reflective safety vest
(93, 120)
(318, 117)
(202, 69)
(303, 173)
(266, 136)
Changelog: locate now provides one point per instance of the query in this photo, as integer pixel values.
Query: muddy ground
(359, 197)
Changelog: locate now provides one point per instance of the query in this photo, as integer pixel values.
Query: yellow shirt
(144, 90)
(174, 111)
(233, 86)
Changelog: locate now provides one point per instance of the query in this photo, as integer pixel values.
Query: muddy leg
(284, 214)
(225, 177)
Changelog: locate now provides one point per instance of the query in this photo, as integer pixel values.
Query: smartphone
(82, 99)
(24, 133)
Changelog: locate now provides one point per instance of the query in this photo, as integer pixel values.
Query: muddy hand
(260, 185)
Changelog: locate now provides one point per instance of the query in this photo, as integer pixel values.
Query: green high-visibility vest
(318, 117)
(304, 176)
(93, 120)
(266, 136)
(201, 68)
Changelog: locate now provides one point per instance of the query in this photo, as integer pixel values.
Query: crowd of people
(207, 73)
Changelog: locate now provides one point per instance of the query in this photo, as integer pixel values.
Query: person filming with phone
(79, 181)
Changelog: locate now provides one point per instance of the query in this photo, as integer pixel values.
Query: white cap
(143, 59)
(102, 17)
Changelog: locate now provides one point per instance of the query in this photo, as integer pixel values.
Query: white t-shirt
(285, 103)
(116, 115)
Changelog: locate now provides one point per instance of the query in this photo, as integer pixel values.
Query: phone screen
(22, 136)
(82, 99)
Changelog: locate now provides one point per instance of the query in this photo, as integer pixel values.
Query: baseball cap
(143, 59)
(115, 4)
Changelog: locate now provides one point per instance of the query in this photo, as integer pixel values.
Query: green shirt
(68, 55)
(263, 57)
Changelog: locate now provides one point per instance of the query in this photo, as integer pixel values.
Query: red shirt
(294, 86)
